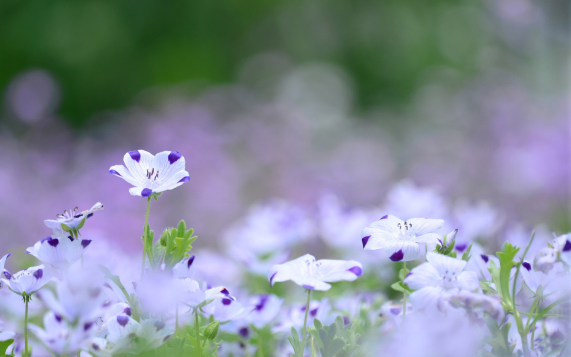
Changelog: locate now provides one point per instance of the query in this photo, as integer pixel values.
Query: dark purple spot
(567, 246)
(95, 347)
(78, 215)
(313, 312)
(58, 317)
(308, 287)
(38, 274)
(184, 179)
(395, 310)
(45, 239)
(89, 215)
(262, 303)
(526, 265)
(272, 278)
(346, 320)
(7, 275)
(461, 247)
(87, 326)
(53, 242)
(225, 291)
(365, 240)
(397, 256)
(242, 345)
(27, 252)
(122, 320)
(384, 217)
(135, 155)
(226, 301)
(115, 173)
(85, 243)
(167, 337)
(174, 156)
(244, 332)
(484, 258)
(159, 325)
(146, 192)
(190, 261)
(70, 238)
(439, 241)
(127, 311)
(356, 270)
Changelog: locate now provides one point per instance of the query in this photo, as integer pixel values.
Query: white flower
(152, 174)
(185, 268)
(263, 309)
(225, 309)
(295, 316)
(314, 275)
(5, 335)
(72, 218)
(130, 336)
(548, 256)
(436, 279)
(27, 281)
(400, 238)
(63, 337)
(2, 263)
(59, 251)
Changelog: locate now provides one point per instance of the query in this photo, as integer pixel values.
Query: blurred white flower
(27, 281)
(59, 251)
(408, 200)
(305, 271)
(263, 309)
(71, 219)
(436, 279)
(130, 336)
(295, 315)
(225, 309)
(400, 238)
(152, 174)
(548, 256)
(2, 263)
(5, 335)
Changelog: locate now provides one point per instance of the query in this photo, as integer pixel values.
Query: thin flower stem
(25, 354)
(176, 321)
(260, 352)
(404, 293)
(313, 347)
(197, 327)
(305, 320)
(145, 236)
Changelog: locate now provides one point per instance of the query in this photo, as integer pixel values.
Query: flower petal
(138, 162)
(402, 251)
(122, 172)
(422, 276)
(375, 238)
(337, 270)
(426, 298)
(444, 264)
(421, 226)
(140, 191)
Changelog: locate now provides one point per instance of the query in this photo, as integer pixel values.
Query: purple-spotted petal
(122, 320)
(397, 256)
(174, 156)
(356, 270)
(135, 155)
(308, 287)
(365, 240)
(38, 274)
(146, 192)
(85, 243)
(184, 179)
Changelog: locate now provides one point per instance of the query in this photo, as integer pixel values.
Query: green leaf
(297, 345)
(212, 330)
(181, 228)
(400, 286)
(65, 227)
(4, 347)
(506, 257)
(466, 256)
(81, 224)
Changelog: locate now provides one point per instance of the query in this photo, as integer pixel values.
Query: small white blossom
(152, 174)
(59, 251)
(548, 256)
(263, 309)
(72, 218)
(305, 271)
(436, 279)
(27, 281)
(400, 238)
(129, 336)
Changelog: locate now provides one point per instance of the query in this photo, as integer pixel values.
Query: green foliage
(4, 348)
(466, 256)
(499, 340)
(335, 340)
(501, 275)
(173, 246)
(446, 250)
(296, 343)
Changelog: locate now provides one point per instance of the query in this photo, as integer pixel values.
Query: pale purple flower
(59, 251)
(71, 219)
(263, 309)
(548, 256)
(406, 199)
(305, 271)
(152, 174)
(129, 336)
(225, 309)
(185, 268)
(27, 281)
(5, 335)
(436, 279)
(400, 238)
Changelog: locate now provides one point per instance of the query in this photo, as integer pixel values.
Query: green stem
(404, 294)
(145, 230)
(176, 321)
(260, 352)
(197, 327)
(25, 354)
(305, 320)
(313, 347)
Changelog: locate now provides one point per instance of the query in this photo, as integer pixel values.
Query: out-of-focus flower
(263, 309)
(305, 271)
(2, 263)
(225, 309)
(407, 200)
(295, 315)
(59, 252)
(549, 282)
(400, 238)
(63, 337)
(5, 335)
(130, 336)
(27, 281)
(471, 300)
(185, 268)
(152, 174)
(71, 219)
(477, 221)
(548, 256)
(438, 277)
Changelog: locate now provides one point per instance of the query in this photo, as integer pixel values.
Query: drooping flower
(305, 271)
(400, 238)
(27, 281)
(436, 279)
(71, 219)
(59, 251)
(152, 174)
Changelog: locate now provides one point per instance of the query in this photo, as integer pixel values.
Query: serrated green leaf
(181, 228)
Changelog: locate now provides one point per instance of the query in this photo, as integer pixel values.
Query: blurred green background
(104, 52)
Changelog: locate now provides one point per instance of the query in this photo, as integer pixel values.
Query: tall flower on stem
(150, 175)
(314, 274)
